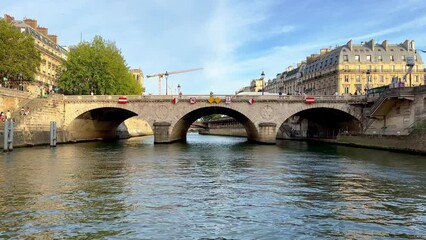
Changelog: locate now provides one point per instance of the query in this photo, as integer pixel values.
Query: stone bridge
(92, 117)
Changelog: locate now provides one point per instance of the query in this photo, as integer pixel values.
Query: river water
(211, 188)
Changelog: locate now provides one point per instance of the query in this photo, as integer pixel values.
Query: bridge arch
(180, 128)
(320, 121)
(98, 123)
(338, 107)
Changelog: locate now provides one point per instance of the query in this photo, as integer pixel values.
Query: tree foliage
(212, 117)
(19, 59)
(99, 67)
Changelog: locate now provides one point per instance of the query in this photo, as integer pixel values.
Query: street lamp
(178, 87)
(367, 84)
(262, 76)
(167, 76)
(20, 82)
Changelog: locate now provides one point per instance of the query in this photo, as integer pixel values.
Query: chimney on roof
(413, 45)
(54, 38)
(31, 22)
(406, 44)
(385, 45)
(349, 44)
(8, 18)
(324, 50)
(371, 44)
(43, 31)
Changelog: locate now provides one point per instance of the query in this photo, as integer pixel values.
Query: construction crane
(166, 74)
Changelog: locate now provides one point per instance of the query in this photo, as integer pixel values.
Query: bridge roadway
(94, 117)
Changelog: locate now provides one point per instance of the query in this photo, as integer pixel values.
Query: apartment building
(52, 54)
(353, 68)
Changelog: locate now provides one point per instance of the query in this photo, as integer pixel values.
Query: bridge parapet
(234, 98)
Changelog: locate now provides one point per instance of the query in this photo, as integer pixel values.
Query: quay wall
(234, 132)
(415, 142)
(12, 100)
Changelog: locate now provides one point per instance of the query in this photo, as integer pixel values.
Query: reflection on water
(211, 187)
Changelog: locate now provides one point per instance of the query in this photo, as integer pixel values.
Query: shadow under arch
(181, 127)
(321, 122)
(98, 123)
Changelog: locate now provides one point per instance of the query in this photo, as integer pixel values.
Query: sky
(232, 40)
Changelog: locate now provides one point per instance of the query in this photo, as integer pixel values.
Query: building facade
(353, 69)
(138, 76)
(52, 55)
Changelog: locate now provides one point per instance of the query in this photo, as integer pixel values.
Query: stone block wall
(415, 142)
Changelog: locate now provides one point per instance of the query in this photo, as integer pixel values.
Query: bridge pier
(161, 132)
(267, 133)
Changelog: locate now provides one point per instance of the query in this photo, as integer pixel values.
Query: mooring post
(53, 134)
(8, 135)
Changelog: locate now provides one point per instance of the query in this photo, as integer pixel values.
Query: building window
(393, 68)
(358, 67)
(381, 68)
(391, 58)
(368, 58)
(369, 79)
(345, 58)
(346, 67)
(358, 78)
(346, 90)
(379, 58)
(381, 79)
(357, 58)
(403, 58)
(369, 67)
(346, 78)
(417, 78)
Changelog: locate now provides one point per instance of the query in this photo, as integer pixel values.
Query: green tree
(212, 117)
(99, 67)
(19, 59)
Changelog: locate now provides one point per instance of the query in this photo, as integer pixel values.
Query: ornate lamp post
(167, 76)
(262, 76)
(178, 88)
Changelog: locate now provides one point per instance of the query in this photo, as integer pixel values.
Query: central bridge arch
(180, 129)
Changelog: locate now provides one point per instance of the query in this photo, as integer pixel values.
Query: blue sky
(233, 40)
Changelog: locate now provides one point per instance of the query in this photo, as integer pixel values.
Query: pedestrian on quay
(2, 117)
(8, 115)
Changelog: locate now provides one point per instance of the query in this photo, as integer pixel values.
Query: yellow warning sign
(211, 99)
(217, 100)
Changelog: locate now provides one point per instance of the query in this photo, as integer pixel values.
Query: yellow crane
(166, 74)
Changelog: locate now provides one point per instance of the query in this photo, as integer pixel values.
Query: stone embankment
(414, 142)
(34, 128)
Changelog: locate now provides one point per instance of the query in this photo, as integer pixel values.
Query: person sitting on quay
(2, 117)
(22, 111)
(27, 111)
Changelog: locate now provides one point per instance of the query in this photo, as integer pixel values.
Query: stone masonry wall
(415, 142)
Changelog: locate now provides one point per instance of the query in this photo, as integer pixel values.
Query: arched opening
(324, 123)
(182, 126)
(99, 123)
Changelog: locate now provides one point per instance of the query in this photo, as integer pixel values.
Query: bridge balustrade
(235, 98)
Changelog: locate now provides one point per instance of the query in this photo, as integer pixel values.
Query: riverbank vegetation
(19, 59)
(97, 67)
